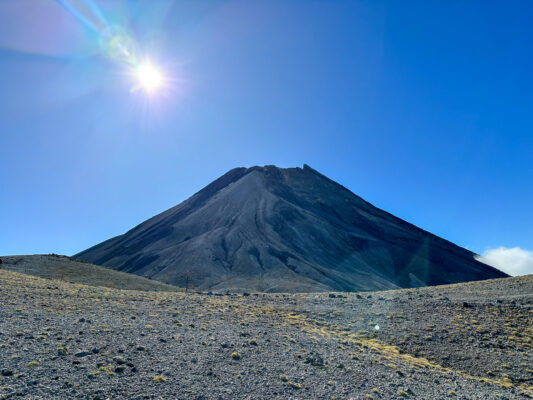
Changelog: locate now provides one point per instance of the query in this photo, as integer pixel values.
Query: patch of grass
(159, 379)
(108, 368)
(506, 382)
(236, 355)
(294, 385)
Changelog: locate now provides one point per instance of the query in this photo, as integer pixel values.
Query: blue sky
(422, 108)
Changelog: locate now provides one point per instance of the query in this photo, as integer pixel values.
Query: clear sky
(423, 108)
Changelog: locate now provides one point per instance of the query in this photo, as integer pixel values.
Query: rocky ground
(61, 340)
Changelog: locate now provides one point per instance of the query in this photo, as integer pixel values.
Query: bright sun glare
(149, 77)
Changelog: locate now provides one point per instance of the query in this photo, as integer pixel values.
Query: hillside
(276, 229)
(52, 266)
(463, 341)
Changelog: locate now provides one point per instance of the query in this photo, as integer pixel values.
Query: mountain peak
(267, 228)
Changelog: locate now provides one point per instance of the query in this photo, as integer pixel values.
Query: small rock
(7, 372)
(315, 360)
(119, 360)
(81, 354)
(332, 296)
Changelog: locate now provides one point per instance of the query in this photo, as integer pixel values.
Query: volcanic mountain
(285, 230)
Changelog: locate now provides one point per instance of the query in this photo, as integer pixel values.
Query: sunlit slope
(285, 230)
(70, 270)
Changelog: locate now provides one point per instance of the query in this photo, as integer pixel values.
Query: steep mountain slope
(293, 229)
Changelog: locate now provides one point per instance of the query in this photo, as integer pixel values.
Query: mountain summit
(285, 230)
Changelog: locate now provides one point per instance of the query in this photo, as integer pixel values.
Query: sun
(149, 76)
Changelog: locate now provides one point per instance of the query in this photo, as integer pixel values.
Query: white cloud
(512, 260)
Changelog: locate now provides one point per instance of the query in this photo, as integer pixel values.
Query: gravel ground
(62, 340)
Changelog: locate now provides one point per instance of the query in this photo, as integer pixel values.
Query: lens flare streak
(116, 44)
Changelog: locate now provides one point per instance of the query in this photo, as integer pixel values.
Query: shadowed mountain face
(285, 230)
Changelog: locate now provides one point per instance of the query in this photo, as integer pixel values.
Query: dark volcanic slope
(274, 229)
